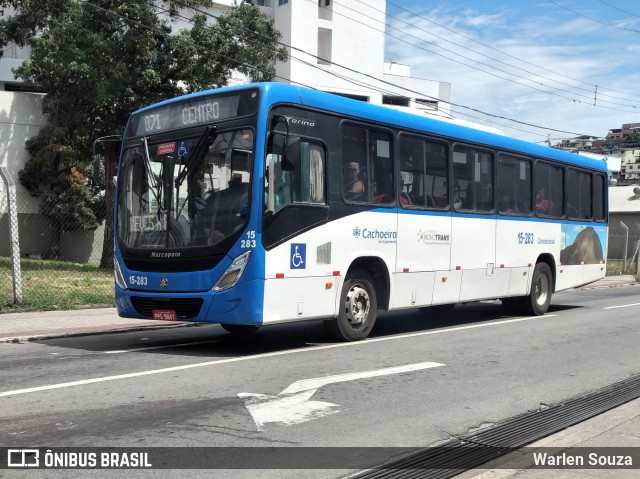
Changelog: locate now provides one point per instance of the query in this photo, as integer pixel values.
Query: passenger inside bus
(352, 181)
(505, 205)
(543, 204)
(228, 208)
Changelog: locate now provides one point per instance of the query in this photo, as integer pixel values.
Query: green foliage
(101, 60)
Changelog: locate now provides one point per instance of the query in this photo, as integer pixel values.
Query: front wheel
(538, 300)
(358, 308)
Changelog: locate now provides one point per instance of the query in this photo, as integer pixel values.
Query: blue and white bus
(269, 203)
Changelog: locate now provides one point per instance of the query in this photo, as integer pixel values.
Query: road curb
(73, 334)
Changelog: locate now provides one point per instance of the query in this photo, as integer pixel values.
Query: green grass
(615, 267)
(50, 285)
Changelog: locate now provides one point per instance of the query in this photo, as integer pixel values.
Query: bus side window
(304, 184)
(424, 173)
(472, 179)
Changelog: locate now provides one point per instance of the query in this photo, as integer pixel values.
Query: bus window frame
(517, 157)
(448, 168)
(605, 206)
(265, 190)
(563, 171)
(452, 195)
(368, 193)
(566, 197)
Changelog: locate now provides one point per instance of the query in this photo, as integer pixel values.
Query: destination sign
(195, 111)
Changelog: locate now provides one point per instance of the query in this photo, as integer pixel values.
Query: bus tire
(358, 308)
(538, 300)
(240, 329)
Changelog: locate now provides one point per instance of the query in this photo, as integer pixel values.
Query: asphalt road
(180, 387)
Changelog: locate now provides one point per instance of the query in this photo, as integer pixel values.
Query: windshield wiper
(154, 178)
(198, 152)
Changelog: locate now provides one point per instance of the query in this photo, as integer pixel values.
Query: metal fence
(624, 241)
(47, 266)
(43, 270)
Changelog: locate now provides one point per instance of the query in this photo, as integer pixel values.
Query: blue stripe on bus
(454, 214)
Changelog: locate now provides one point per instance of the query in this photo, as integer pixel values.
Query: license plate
(165, 315)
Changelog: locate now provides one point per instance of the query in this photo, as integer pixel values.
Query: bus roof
(286, 93)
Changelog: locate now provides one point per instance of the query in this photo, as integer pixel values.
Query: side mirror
(291, 155)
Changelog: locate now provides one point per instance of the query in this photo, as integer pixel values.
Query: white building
(339, 47)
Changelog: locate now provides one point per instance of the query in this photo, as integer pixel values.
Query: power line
(574, 100)
(413, 25)
(338, 65)
(416, 15)
(593, 19)
(590, 97)
(492, 115)
(436, 113)
(619, 9)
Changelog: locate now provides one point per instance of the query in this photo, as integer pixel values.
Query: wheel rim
(357, 305)
(542, 289)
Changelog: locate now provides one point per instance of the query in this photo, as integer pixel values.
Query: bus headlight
(118, 275)
(233, 272)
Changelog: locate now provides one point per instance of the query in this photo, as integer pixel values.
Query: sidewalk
(616, 428)
(21, 327)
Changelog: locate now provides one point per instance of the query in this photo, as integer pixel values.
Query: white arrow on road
(292, 406)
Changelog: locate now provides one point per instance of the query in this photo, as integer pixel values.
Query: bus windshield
(186, 192)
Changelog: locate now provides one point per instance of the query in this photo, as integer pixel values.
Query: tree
(98, 61)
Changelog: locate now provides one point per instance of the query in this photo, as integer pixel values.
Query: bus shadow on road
(413, 321)
(211, 341)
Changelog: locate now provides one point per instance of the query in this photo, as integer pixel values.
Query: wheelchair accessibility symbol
(183, 149)
(298, 255)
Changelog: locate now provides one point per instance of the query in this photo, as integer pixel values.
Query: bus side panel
(293, 299)
(520, 243)
(304, 275)
(473, 241)
(412, 290)
(446, 287)
(473, 252)
(424, 245)
(485, 283)
(584, 247)
(593, 272)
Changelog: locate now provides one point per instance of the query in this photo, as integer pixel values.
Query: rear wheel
(538, 300)
(240, 329)
(358, 308)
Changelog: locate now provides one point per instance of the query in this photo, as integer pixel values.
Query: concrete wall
(21, 118)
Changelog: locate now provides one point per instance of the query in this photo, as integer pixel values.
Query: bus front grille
(184, 307)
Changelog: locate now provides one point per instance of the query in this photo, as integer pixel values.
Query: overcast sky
(535, 61)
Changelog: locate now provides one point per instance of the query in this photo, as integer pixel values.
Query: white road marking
(166, 346)
(293, 405)
(82, 382)
(623, 306)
